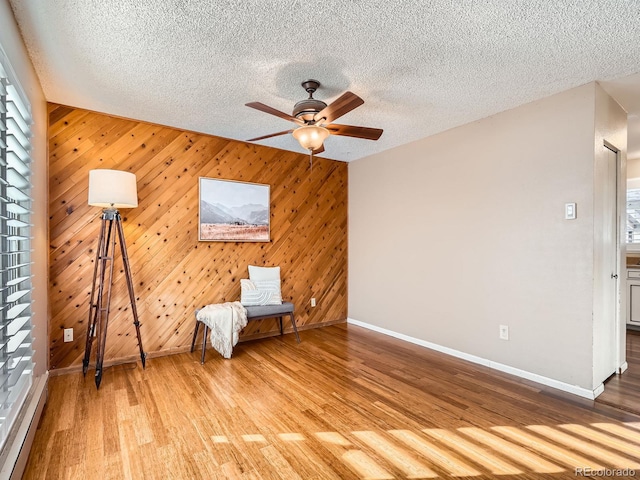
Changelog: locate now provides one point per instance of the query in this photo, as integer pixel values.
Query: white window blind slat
(17, 281)
(13, 112)
(20, 135)
(14, 145)
(16, 310)
(17, 194)
(14, 99)
(16, 180)
(15, 162)
(15, 368)
(17, 223)
(16, 342)
(17, 325)
(15, 238)
(15, 268)
(15, 296)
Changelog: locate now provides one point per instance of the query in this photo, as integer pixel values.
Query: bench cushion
(266, 310)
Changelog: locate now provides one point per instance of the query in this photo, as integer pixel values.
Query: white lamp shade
(310, 137)
(112, 189)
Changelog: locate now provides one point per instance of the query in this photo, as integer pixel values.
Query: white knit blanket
(225, 321)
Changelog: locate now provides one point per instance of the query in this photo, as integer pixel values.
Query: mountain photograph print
(233, 211)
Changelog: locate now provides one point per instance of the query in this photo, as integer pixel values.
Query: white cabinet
(633, 299)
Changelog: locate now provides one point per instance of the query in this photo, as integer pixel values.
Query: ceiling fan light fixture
(310, 137)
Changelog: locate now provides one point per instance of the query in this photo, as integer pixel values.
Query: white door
(606, 254)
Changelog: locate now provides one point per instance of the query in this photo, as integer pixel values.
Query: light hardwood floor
(345, 403)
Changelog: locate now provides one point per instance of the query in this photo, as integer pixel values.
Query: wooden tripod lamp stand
(111, 190)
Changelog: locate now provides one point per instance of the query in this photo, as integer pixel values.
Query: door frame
(620, 321)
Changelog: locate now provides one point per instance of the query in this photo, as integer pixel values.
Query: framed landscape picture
(232, 211)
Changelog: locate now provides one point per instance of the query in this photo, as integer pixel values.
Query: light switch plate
(570, 211)
(504, 332)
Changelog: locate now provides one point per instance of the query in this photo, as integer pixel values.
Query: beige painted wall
(11, 42)
(455, 234)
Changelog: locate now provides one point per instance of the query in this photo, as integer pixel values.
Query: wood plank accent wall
(173, 272)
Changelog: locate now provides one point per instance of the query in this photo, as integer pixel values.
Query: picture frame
(233, 211)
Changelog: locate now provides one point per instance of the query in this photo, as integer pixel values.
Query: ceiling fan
(314, 118)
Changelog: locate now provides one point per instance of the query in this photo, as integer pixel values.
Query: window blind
(16, 353)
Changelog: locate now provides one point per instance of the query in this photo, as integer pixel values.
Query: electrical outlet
(504, 332)
(313, 302)
(68, 334)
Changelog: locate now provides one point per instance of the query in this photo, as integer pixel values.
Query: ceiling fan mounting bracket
(310, 86)
(306, 109)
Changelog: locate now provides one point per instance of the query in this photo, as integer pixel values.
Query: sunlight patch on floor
(406, 462)
(512, 451)
(334, 438)
(471, 451)
(474, 452)
(551, 450)
(437, 455)
(365, 466)
(603, 439)
(583, 446)
(619, 431)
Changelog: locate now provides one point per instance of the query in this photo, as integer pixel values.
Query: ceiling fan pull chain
(310, 162)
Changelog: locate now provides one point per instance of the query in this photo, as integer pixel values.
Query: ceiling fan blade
(343, 104)
(267, 109)
(357, 132)
(269, 136)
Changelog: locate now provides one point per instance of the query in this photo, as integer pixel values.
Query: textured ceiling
(421, 66)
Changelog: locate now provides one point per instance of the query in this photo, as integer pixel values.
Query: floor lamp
(111, 190)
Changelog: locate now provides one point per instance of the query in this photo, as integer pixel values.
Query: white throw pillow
(267, 279)
(250, 294)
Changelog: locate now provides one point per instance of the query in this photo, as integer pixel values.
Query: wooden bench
(258, 312)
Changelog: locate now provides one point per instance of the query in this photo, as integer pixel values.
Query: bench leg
(281, 330)
(204, 344)
(293, 324)
(195, 334)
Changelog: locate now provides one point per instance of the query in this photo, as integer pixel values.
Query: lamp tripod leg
(93, 307)
(103, 310)
(132, 297)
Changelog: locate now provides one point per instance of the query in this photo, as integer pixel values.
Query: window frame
(16, 277)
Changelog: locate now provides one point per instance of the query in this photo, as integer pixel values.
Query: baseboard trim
(549, 382)
(623, 368)
(119, 361)
(174, 351)
(287, 330)
(14, 460)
